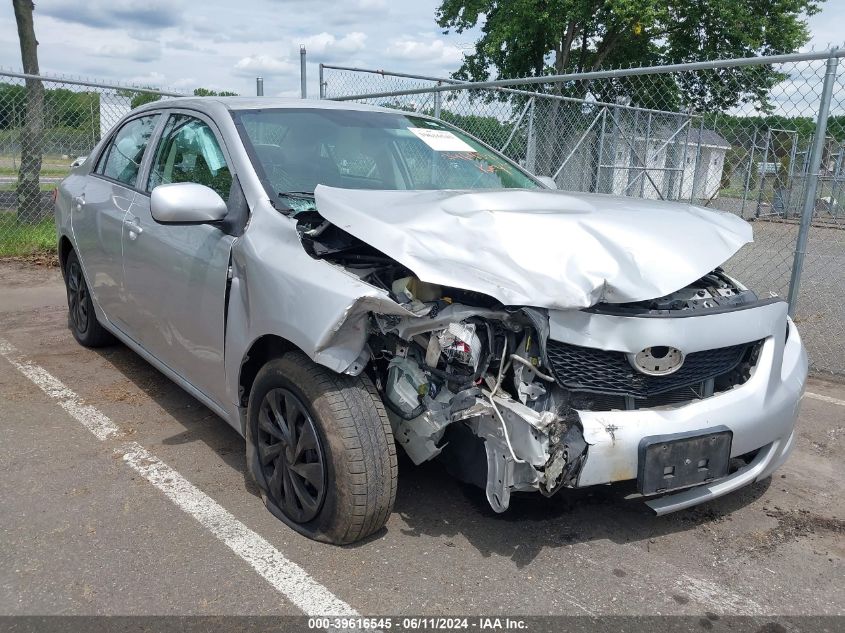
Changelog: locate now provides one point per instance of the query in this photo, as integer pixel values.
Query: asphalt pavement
(123, 495)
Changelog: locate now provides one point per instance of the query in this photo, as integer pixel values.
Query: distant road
(10, 180)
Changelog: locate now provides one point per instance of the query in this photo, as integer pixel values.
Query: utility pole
(302, 83)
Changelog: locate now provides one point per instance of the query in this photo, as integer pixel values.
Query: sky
(221, 44)
(224, 45)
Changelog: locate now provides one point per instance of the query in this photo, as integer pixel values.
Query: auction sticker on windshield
(441, 140)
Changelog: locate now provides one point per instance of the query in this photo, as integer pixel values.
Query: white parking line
(287, 577)
(284, 575)
(100, 425)
(818, 396)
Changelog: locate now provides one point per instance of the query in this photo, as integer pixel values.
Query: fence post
(697, 165)
(748, 174)
(438, 102)
(302, 83)
(531, 148)
(596, 188)
(322, 90)
(814, 173)
(259, 86)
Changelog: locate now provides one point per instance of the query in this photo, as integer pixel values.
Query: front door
(176, 276)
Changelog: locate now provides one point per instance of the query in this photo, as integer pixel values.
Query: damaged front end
(560, 395)
(462, 376)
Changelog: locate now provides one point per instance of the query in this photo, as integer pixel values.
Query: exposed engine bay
(481, 386)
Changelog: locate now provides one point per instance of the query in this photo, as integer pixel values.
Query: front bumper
(761, 413)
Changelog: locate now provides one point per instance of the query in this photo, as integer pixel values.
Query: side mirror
(186, 203)
(548, 181)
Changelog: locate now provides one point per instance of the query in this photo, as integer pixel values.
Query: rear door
(98, 212)
(176, 276)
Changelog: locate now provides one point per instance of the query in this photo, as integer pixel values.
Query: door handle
(134, 228)
(79, 202)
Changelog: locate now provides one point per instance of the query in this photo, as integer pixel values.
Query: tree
(542, 37)
(138, 98)
(205, 92)
(32, 132)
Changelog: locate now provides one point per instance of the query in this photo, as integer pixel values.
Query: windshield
(297, 149)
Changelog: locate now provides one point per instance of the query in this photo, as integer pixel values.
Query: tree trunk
(32, 133)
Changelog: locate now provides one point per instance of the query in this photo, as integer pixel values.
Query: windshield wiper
(296, 194)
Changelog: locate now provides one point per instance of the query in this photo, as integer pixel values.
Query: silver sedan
(336, 279)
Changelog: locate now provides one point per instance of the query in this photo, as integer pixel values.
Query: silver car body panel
(542, 248)
(545, 249)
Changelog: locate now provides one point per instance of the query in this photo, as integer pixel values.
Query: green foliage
(137, 98)
(205, 92)
(62, 108)
(487, 128)
(836, 128)
(140, 98)
(740, 131)
(541, 37)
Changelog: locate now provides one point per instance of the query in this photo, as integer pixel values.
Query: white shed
(670, 162)
(113, 107)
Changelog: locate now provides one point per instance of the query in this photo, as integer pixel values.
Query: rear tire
(82, 320)
(320, 447)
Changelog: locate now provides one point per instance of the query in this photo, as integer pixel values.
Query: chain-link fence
(733, 135)
(45, 124)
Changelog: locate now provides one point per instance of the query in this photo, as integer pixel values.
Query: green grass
(51, 165)
(20, 239)
(46, 171)
(12, 186)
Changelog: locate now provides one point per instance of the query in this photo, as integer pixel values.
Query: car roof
(257, 103)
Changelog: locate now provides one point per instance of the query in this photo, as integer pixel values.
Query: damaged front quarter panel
(464, 370)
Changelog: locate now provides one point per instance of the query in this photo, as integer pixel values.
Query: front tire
(82, 320)
(321, 449)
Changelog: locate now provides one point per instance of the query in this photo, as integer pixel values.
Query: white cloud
(826, 26)
(152, 79)
(431, 50)
(255, 65)
(185, 84)
(225, 44)
(326, 43)
(371, 5)
(134, 50)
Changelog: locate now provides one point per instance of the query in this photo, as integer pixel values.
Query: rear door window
(122, 160)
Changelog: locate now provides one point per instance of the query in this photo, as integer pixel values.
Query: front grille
(607, 380)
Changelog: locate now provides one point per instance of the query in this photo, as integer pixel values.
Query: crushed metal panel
(541, 248)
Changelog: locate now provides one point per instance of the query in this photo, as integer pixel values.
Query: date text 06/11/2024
(408, 623)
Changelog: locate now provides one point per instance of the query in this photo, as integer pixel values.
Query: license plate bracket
(680, 460)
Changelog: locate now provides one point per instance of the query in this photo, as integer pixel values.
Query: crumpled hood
(542, 248)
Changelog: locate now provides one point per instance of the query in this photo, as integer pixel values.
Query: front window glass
(189, 152)
(297, 149)
(123, 159)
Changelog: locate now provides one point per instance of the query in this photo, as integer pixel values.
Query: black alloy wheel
(77, 297)
(291, 455)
